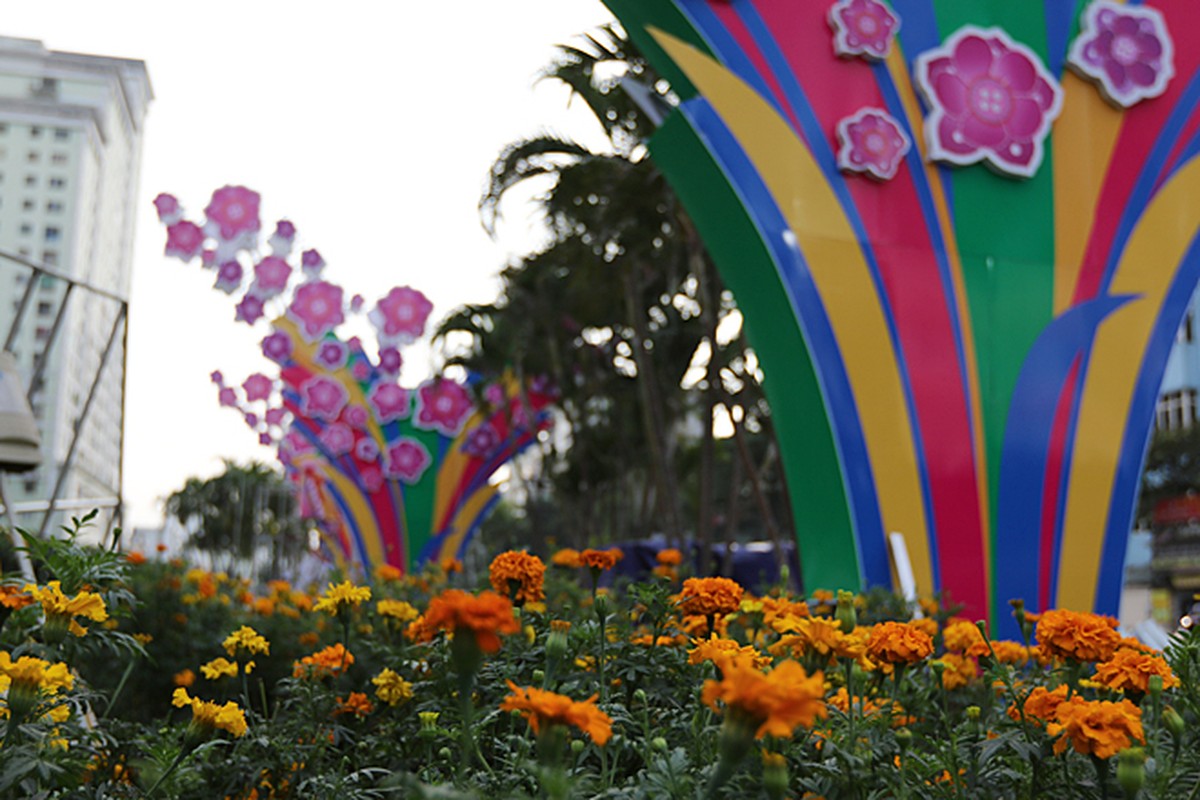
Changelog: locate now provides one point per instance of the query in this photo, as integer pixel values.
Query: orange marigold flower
(308, 638)
(665, 572)
(771, 704)
(898, 643)
(357, 704)
(840, 700)
(710, 596)
(184, 678)
(601, 559)
(724, 652)
(1040, 705)
(135, 557)
(332, 661)
(485, 617)
(388, 572)
(542, 707)
(450, 565)
(12, 597)
(1009, 652)
(1081, 636)
(1096, 727)
(960, 670)
(519, 576)
(961, 636)
(1131, 670)
(670, 557)
(781, 614)
(567, 557)
(823, 636)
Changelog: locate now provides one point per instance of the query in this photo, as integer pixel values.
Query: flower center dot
(1125, 50)
(990, 100)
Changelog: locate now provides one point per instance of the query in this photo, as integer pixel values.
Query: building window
(58, 158)
(54, 207)
(27, 205)
(57, 183)
(53, 234)
(41, 334)
(46, 282)
(26, 229)
(62, 134)
(24, 251)
(1186, 330)
(33, 157)
(35, 132)
(30, 485)
(44, 308)
(50, 258)
(31, 180)
(1176, 410)
(3, 127)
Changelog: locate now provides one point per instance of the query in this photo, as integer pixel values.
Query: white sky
(371, 129)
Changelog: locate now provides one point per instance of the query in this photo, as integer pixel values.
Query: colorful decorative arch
(968, 353)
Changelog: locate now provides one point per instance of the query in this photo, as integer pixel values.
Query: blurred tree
(1172, 468)
(246, 514)
(621, 308)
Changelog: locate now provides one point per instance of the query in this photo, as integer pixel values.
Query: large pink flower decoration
(872, 142)
(271, 276)
(400, 317)
(863, 28)
(443, 405)
(1126, 49)
(990, 98)
(185, 240)
(257, 387)
(389, 402)
(322, 398)
(232, 213)
(482, 441)
(337, 439)
(407, 460)
(317, 308)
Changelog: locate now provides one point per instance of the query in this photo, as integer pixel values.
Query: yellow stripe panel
(462, 521)
(912, 110)
(1084, 138)
(1157, 246)
(840, 271)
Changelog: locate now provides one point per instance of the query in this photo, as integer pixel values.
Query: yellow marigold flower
(279, 588)
(1040, 705)
(710, 596)
(670, 557)
(771, 704)
(387, 572)
(898, 643)
(248, 639)
(207, 718)
(184, 678)
(781, 614)
(331, 661)
(823, 636)
(397, 610)
(519, 576)
(1076, 635)
(1131, 670)
(220, 668)
(62, 610)
(1096, 727)
(343, 597)
(960, 670)
(548, 708)
(567, 557)
(962, 636)
(485, 617)
(723, 652)
(391, 688)
(1008, 652)
(34, 674)
(357, 704)
(601, 559)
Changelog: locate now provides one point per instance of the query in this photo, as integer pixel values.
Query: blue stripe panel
(1027, 439)
(815, 327)
(1060, 20)
(1137, 431)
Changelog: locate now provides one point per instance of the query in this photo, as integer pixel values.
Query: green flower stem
(174, 765)
(112, 701)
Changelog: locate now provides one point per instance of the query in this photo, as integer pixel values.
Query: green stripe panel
(824, 529)
(1005, 230)
(419, 499)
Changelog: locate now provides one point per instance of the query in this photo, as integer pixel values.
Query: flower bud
(1156, 686)
(577, 746)
(445, 754)
(658, 744)
(603, 605)
(785, 575)
(973, 713)
(904, 738)
(775, 775)
(1174, 722)
(846, 613)
(1131, 770)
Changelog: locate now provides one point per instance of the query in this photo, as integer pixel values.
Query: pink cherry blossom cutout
(872, 142)
(863, 28)
(1126, 50)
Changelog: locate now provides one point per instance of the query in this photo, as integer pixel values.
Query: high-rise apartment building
(70, 149)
